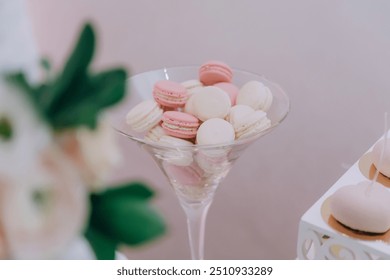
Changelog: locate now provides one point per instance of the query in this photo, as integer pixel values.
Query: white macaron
(252, 124)
(144, 116)
(179, 155)
(155, 133)
(247, 122)
(238, 112)
(256, 95)
(210, 102)
(215, 131)
(192, 85)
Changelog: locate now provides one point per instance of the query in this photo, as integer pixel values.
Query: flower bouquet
(56, 151)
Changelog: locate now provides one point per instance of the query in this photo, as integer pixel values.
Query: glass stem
(196, 221)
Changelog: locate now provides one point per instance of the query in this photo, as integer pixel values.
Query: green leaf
(130, 222)
(125, 215)
(76, 97)
(89, 96)
(109, 87)
(46, 66)
(45, 63)
(19, 80)
(132, 189)
(76, 65)
(81, 115)
(103, 246)
(6, 131)
(75, 109)
(33, 94)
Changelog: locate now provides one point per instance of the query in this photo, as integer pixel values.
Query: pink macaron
(170, 94)
(189, 176)
(180, 124)
(213, 72)
(231, 89)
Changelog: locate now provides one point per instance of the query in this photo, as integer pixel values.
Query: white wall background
(331, 57)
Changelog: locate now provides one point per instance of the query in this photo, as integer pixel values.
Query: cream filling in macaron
(171, 98)
(253, 128)
(180, 128)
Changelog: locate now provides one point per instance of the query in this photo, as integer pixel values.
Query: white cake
(364, 207)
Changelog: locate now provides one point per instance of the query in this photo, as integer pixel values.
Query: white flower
(42, 211)
(27, 135)
(95, 152)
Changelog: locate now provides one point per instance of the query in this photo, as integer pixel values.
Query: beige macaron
(210, 102)
(144, 116)
(215, 131)
(248, 122)
(178, 155)
(155, 134)
(256, 95)
(192, 85)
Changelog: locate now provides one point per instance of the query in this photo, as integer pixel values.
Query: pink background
(331, 57)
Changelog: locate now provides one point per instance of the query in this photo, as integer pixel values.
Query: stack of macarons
(208, 110)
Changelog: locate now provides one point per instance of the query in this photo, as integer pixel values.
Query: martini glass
(194, 171)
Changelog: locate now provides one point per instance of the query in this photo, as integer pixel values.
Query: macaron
(362, 207)
(180, 124)
(144, 116)
(251, 124)
(215, 131)
(256, 95)
(213, 72)
(384, 166)
(191, 85)
(170, 94)
(189, 107)
(155, 133)
(238, 112)
(210, 102)
(184, 176)
(231, 89)
(177, 156)
(212, 163)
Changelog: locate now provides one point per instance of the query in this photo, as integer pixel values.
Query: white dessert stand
(317, 240)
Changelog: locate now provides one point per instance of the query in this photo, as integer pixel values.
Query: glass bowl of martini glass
(194, 171)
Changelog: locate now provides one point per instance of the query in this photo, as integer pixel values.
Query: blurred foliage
(5, 129)
(122, 214)
(76, 97)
